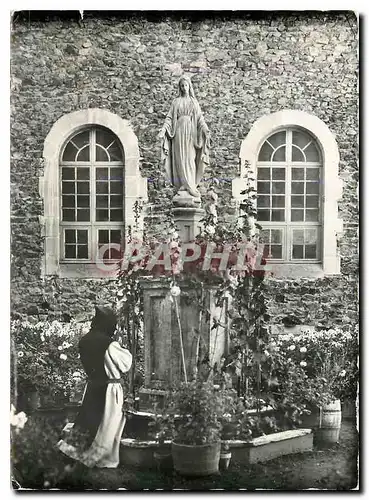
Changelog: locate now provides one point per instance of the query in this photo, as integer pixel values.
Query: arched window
(90, 186)
(289, 201)
(293, 158)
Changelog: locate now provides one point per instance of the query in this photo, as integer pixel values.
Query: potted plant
(194, 417)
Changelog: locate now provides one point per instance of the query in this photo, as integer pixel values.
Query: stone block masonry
(243, 66)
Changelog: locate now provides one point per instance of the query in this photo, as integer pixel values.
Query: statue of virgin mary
(185, 140)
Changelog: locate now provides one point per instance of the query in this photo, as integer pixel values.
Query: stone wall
(242, 65)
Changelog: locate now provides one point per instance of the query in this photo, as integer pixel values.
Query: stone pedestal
(187, 215)
(163, 361)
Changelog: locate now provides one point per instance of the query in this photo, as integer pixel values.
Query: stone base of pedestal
(187, 220)
(151, 397)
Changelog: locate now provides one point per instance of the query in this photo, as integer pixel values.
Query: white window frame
(49, 186)
(331, 189)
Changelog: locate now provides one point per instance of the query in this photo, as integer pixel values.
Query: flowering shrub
(46, 357)
(311, 369)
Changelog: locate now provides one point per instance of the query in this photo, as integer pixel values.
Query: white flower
(60, 348)
(343, 373)
(288, 360)
(20, 354)
(63, 357)
(303, 349)
(17, 420)
(303, 363)
(76, 374)
(277, 348)
(210, 229)
(65, 345)
(175, 291)
(266, 353)
(175, 235)
(292, 347)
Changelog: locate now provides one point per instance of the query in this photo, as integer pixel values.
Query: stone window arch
(83, 154)
(295, 143)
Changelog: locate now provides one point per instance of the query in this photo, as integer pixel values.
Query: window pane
(102, 187)
(297, 215)
(312, 201)
(103, 236)
(101, 154)
(83, 154)
(68, 187)
(116, 174)
(278, 174)
(115, 152)
(263, 187)
(102, 215)
(278, 187)
(83, 215)
(265, 152)
(277, 215)
(81, 139)
(102, 174)
(116, 215)
(115, 253)
(276, 251)
(297, 154)
(83, 174)
(298, 174)
(263, 215)
(297, 201)
(280, 154)
(116, 201)
(278, 139)
(263, 173)
(102, 201)
(278, 201)
(297, 188)
(310, 236)
(82, 235)
(298, 236)
(115, 236)
(70, 236)
(276, 236)
(312, 174)
(263, 201)
(68, 201)
(70, 251)
(301, 139)
(82, 252)
(312, 187)
(298, 252)
(310, 252)
(116, 187)
(312, 215)
(68, 173)
(70, 152)
(69, 215)
(312, 153)
(83, 187)
(104, 137)
(83, 201)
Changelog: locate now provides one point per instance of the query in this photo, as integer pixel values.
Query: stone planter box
(264, 448)
(140, 453)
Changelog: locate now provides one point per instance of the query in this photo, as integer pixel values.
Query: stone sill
(138, 443)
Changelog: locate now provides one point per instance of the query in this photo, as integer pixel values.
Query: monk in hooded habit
(185, 141)
(95, 438)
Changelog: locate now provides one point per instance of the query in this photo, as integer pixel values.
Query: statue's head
(185, 86)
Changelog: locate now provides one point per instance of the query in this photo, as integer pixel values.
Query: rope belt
(107, 381)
